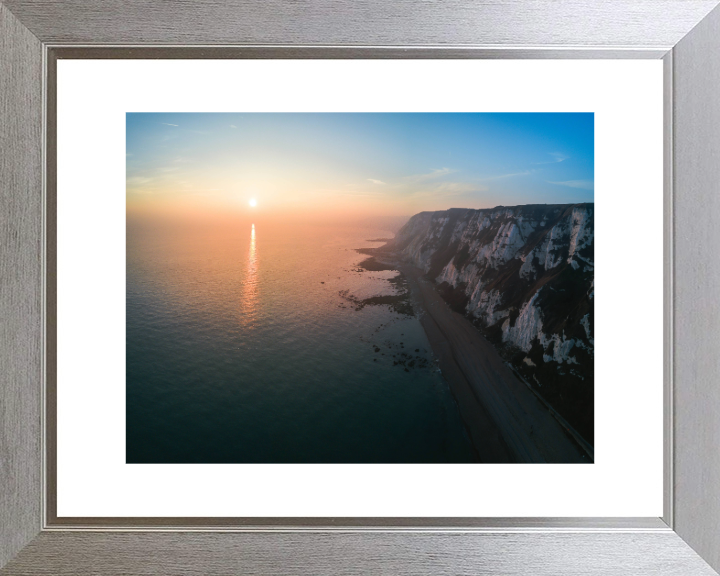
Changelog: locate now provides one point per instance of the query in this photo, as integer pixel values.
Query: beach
(504, 418)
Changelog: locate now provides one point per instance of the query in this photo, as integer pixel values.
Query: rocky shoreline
(524, 276)
(505, 421)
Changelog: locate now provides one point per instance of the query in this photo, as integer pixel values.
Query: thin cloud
(416, 186)
(166, 124)
(557, 157)
(450, 189)
(141, 185)
(429, 184)
(437, 173)
(583, 184)
(233, 126)
(353, 193)
(139, 180)
(510, 175)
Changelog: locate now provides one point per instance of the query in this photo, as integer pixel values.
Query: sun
(253, 202)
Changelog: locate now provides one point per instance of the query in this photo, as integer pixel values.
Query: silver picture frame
(685, 34)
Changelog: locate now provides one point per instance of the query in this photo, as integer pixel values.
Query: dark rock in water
(399, 303)
(372, 265)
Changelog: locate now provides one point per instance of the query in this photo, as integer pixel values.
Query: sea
(247, 342)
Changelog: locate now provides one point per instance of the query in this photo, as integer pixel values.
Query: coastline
(506, 421)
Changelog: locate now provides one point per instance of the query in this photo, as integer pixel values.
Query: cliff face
(524, 276)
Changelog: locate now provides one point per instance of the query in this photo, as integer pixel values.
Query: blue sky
(391, 163)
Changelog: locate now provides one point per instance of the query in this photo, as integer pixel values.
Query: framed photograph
(283, 294)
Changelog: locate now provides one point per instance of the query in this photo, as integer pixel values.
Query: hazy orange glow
(340, 167)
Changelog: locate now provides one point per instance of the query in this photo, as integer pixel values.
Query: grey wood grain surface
(697, 288)
(396, 554)
(316, 524)
(20, 284)
(376, 22)
(224, 52)
(668, 296)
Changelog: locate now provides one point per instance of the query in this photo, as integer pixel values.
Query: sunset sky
(355, 164)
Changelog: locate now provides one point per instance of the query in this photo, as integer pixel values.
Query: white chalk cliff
(524, 275)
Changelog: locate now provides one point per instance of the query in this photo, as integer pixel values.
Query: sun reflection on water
(250, 286)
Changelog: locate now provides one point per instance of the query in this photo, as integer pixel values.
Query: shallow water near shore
(243, 347)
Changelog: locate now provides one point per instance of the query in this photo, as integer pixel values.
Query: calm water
(240, 349)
